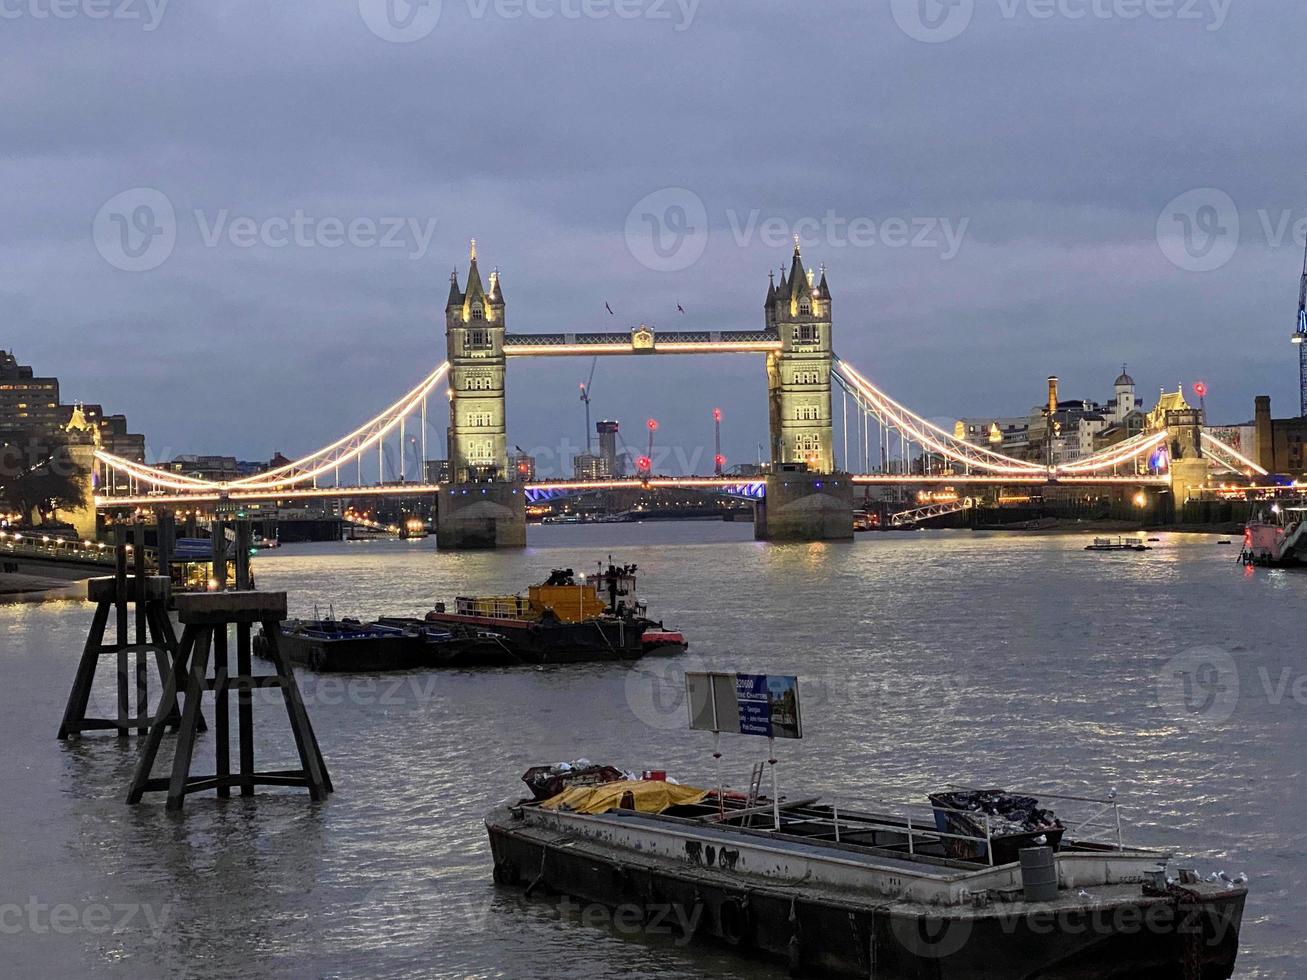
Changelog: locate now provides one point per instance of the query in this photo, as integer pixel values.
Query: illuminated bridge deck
(749, 488)
(642, 341)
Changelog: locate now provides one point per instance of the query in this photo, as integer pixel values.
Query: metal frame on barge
(869, 894)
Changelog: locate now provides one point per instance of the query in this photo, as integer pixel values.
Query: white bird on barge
(872, 893)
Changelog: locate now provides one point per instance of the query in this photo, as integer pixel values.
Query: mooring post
(244, 545)
(120, 623)
(206, 617)
(166, 540)
(141, 620)
(218, 540)
(154, 635)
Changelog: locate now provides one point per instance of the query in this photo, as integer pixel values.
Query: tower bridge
(804, 497)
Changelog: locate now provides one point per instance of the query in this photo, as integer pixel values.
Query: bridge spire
(455, 300)
(798, 281)
(475, 292)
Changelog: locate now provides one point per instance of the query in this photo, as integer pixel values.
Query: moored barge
(1120, 544)
(351, 646)
(870, 893)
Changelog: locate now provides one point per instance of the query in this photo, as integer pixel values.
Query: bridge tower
(806, 499)
(1189, 467)
(798, 378)
(474, 336)
(482, 508)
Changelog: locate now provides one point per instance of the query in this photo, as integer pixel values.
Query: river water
(924, 659)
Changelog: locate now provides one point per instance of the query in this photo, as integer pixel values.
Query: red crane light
(716, 414)
(1200, 389)
(644, 464)
(653, 425)
(720, 461)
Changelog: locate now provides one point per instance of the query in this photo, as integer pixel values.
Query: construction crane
(1300, 340)
(585, 397)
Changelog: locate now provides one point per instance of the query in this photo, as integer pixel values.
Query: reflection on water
(924, 659)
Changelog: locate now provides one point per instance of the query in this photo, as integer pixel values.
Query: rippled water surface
(926, 659)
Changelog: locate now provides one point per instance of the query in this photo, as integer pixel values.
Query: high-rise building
(28, 403)
(437, 471)
(613, 463)
(522, 467)
(587, 466)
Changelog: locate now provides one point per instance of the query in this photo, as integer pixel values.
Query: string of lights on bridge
(978, 465)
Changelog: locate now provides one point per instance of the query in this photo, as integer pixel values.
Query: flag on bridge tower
(609, 309)
(680, 309)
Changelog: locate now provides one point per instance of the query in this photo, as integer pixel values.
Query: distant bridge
(802, 373)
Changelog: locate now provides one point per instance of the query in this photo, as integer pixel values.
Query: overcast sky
(235, 220)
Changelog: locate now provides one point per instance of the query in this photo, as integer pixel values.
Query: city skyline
(972, 249)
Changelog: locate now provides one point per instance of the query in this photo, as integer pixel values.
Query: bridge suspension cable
(310, 467)
(1113, 456)
(1223, 454)
(919, 430)
(345, 449)
(932, 437)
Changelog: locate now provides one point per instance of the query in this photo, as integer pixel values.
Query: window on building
(476, 340)
(477, 312)
(805, 309)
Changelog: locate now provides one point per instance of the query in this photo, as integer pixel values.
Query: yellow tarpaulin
(646, 795)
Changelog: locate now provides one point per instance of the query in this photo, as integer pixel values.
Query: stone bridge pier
(804, 506)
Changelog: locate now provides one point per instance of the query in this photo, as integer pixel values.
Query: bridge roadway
(735, 485)
(642, 340)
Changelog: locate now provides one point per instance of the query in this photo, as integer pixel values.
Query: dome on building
(1125, 381)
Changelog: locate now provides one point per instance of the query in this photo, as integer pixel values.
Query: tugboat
(978, 884)
(565, 620)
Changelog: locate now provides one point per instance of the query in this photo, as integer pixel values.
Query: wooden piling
(154, 635)
(206, 619)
